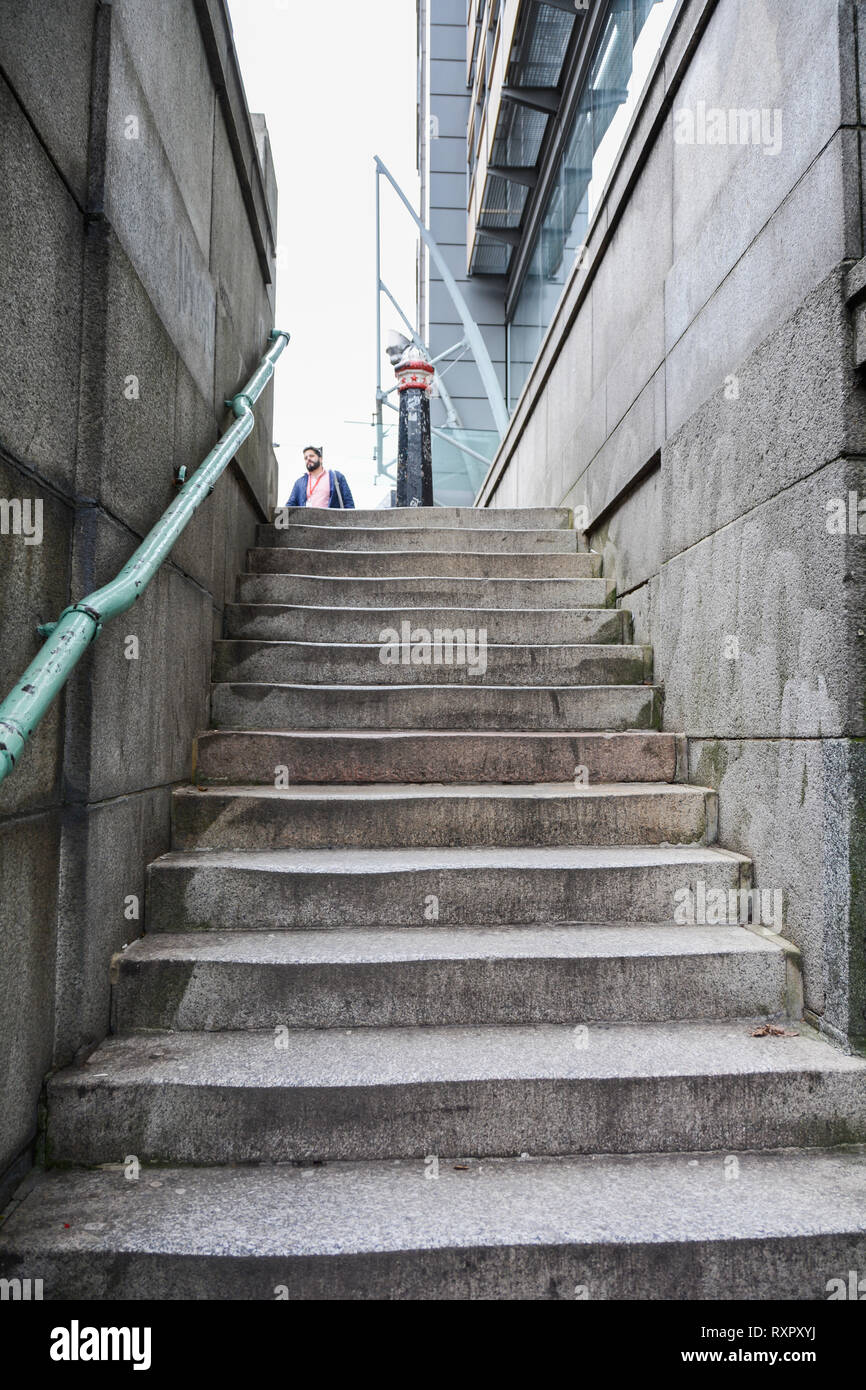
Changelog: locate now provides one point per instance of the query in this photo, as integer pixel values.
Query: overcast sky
(337, 84)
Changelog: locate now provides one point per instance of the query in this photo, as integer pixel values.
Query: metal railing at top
(68, 638)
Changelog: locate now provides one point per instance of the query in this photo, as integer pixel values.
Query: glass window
(624, 53)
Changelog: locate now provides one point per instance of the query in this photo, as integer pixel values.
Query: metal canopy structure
(471, 342)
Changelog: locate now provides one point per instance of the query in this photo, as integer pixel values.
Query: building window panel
(620, 65)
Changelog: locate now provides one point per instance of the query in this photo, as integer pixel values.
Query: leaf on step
(772, 1030)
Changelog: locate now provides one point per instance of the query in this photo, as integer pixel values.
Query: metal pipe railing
(26, 705)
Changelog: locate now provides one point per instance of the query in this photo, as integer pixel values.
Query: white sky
(337, 84)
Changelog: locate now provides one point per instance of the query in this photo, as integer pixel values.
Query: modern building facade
(522, 107)
(662, 235)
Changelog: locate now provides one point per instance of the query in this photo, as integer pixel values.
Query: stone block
(104, 855)
(625, 452)
(35, 588)
(244, 317)
(47, 58)
(148, 213)
(791, 406)
(629, 283)
(131, 719)
(27, 961)
(643, 605)
(40, 301)
(165, 45)
(771, 805)
(752, 57)
(629, 536)
(844, 894)
(569, 387)
(762, 621)
(768, 283)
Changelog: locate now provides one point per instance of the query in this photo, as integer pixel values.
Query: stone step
(390, 661)
(271, 622)
(434, 977)
(304, 1095)
(356, 756)
(443, 564)
(512, 518)
(265, 705)
(444, 592)
(745, 1226)
(403, 816)
(312, 534)
(194, 890)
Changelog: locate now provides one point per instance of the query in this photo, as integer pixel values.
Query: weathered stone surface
(793, 405)
(756, 635)
(334, 755)
(441, 977)
(27, 978)
(150, 218)
(47, 58)
(102, 876)
(389, 564)
(34, 589)
(619, 1228)
(330, 889)
(771, 799)
(131, 717)
(544, 626)
(630, 537)
(320, 535)
(751, 58)
(109, 315)
(406, 816)
(482, 707)
(179, 88)
(243, 315)
(765, 286)
(40, 295)
(376, 1093)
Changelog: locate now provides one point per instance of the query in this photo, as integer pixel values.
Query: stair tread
(589, 558)
(398, 612)
(394, 791)
(352, 1208)
(309, 525)
(326, 735)
(564, 942)
(468, 690)
(354, 861)
(436, 517)
(455, 580)
(407, 1056)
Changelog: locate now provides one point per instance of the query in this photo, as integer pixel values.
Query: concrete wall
(137, 242)
(698, 394)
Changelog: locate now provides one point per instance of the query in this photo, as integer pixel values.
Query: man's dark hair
(315, 448)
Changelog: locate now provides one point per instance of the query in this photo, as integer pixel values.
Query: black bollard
(414, 463)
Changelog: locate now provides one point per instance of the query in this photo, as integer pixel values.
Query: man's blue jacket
(298, 495)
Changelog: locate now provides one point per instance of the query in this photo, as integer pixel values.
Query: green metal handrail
(26, 705)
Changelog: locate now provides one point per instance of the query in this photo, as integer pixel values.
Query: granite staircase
(412, 1017)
